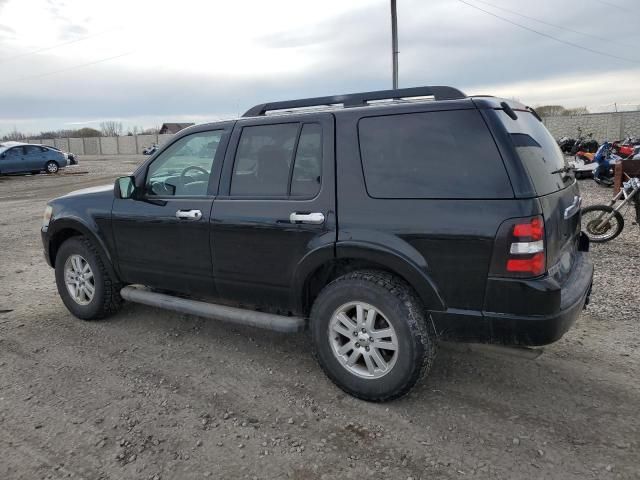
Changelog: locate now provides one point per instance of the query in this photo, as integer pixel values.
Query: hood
(90, 190)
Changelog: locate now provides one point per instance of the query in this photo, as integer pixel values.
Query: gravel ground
(151, 394)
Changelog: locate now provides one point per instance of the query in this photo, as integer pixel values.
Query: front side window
(278, 160)
(14, 152)
(184, 169)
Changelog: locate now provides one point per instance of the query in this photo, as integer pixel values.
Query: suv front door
(162, 236)
(275, 208)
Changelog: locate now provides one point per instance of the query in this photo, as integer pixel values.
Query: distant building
(174, 127)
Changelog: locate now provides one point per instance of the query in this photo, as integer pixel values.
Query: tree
(15, 135)
(111, 128)
(87, 132)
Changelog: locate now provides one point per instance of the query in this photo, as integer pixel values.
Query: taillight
(519, 248)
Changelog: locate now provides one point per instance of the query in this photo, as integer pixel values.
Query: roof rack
(359, 99)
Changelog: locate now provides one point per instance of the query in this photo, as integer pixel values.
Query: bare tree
(151, 131)
(15, 135)
(111, 128)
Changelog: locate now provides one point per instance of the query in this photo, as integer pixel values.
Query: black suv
(388, 219)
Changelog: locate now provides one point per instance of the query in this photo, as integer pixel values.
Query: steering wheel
(193, 167)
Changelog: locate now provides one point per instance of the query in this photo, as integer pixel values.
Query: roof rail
(359, 99)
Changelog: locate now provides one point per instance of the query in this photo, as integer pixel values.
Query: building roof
(174, 127)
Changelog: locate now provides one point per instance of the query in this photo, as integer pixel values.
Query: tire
(397, 307)
(106, 298)
(51, 167)
(590, 221)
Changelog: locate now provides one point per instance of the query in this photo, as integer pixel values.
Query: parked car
(16, 157)
(150, 150)
(381, 223)
(73, 160)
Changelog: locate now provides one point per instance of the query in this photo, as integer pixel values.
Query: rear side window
(278, 160)
(538, 151)
(448, 154)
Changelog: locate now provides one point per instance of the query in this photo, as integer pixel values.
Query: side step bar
(269, 321)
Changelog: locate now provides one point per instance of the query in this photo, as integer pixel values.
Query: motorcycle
(603, 173)
(604, 222)
(585, 144)
(566, 144)
(626, 148)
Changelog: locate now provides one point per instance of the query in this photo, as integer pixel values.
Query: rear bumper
(554, 309)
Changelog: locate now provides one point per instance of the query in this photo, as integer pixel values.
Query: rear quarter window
(445, 154)
(538, 151)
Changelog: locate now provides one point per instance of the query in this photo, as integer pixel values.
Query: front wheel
(370, 335)
(51, 167)
(601, 223)
(85, 285)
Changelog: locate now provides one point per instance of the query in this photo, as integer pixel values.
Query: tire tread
(417, 321)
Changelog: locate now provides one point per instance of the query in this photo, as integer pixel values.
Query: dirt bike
(605, 222)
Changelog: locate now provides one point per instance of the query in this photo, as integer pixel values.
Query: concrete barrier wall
(62, 144)
(125, 145)
(604, 126)
(92, 146)
(76, 145)
(144, 141)
(164, 138)
(109, 145)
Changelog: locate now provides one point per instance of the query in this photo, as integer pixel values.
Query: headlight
(47, 217)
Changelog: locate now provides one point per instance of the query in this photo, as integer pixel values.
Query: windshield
(538, 151)
(3, 149)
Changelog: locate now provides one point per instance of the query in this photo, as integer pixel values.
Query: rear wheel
(370, 335)
(84, 284)
(596, 230)
(51, 167)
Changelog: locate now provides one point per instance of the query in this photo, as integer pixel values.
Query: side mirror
(124, 187)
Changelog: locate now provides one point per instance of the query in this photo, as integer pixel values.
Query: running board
(269, 321)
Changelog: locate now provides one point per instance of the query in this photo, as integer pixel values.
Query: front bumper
(541, 310)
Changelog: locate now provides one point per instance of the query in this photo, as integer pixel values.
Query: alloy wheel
(363, 340)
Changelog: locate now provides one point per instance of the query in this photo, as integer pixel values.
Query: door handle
(316, 218)
(572, 209)
(188, 214)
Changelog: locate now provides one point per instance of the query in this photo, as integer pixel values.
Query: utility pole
(394, 43)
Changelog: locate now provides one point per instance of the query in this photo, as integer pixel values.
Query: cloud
(202, 60)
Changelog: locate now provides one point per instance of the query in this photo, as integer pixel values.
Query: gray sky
(74, 63)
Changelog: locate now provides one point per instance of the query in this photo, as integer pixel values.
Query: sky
(76, 63)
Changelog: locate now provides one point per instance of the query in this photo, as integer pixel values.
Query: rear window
(448, 154)
(538, 151)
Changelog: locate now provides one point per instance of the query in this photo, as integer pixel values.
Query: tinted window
(307, 167)
(185, 167)
(538, 151)
(14, 152)
(263, 159)
(32, 150)
(431, 155)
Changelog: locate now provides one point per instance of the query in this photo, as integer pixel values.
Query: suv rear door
(276, 205)
(556, 190)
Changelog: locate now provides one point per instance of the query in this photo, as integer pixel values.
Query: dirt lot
(151, 394)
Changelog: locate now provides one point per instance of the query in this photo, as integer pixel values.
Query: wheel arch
(65, 229)
(319, 269)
